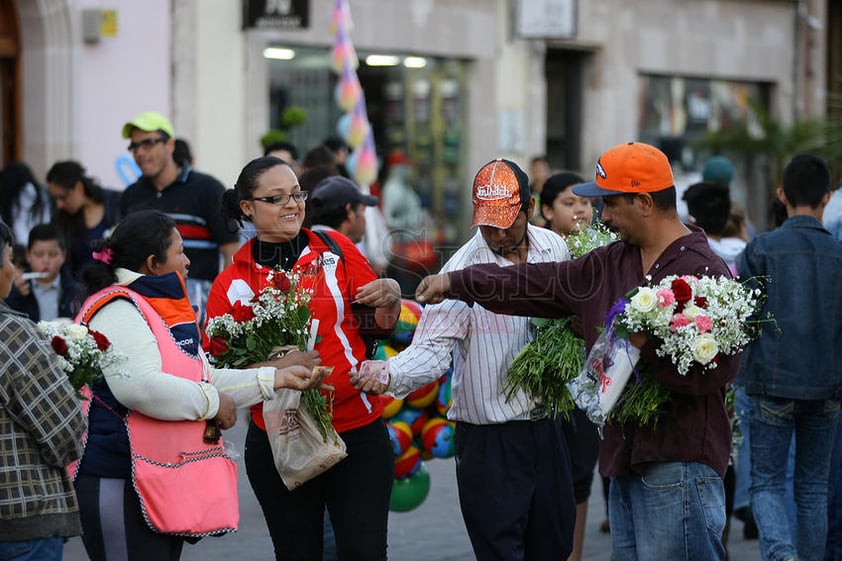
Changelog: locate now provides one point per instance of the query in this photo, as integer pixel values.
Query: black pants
(356, 492)
(113, 525)
(515, 490)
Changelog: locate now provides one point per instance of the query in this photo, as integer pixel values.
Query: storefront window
(416, 106)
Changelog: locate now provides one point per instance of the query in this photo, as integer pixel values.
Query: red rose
(242, 313)
(102, 342)
(59, 345)
(701, 301)
(218, 345)
(282, 282)
(682, 291)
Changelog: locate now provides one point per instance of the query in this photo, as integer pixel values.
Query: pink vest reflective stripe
(185, 486)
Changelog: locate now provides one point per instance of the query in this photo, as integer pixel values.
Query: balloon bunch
(418, 425)
(354, 125)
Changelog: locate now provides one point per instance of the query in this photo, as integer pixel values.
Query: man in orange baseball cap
(666, 479)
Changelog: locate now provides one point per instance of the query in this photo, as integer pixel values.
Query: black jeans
(356, 492)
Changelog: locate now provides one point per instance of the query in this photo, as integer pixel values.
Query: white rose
(692, 310)
(645, 300)
(705, 348)
(77, 332)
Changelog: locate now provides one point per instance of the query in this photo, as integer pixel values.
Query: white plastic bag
(607, 369)
(299, 450)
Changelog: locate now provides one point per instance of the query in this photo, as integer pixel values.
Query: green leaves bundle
(556, 356)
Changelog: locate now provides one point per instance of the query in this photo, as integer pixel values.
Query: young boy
(47, 291)
(791, 373)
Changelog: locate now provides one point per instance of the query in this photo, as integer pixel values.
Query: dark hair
(709, 203)
(308, 182)
(283, 145)
(134, 239)
(45, 233)
(244, 189)
(6, 238)
(806, 181)
(66, 174)
(319, 156)
(557, 184)
(181, 154)
(664, 200)
(13, 179)
(335, 144)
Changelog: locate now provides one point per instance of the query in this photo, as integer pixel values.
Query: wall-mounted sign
(276, 14)
(550, 19)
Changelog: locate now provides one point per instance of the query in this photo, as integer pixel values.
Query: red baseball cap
(634, 167)
(499, 192)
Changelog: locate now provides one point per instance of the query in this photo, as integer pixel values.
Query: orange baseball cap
(500, 190)
(634, 167)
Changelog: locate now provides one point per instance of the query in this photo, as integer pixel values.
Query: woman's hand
(226, 415)
(299, 377)
(308, 359)
(379, 293)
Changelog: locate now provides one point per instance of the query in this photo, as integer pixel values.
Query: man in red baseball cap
(515, 486)
(667, 498)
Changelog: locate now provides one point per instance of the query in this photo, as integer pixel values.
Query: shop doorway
(10, 84)
(563, 73)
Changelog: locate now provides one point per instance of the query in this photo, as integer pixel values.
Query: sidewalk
(432, 532)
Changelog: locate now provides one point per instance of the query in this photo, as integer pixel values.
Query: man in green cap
(190, 198)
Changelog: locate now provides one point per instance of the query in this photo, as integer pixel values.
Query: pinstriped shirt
(480, 344)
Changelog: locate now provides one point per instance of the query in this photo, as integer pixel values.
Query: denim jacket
(801, 356)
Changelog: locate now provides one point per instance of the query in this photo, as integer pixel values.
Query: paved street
(432, 532)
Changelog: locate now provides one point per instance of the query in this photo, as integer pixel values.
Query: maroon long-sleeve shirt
(694, 426)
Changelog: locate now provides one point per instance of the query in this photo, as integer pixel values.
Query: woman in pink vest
(154, 472)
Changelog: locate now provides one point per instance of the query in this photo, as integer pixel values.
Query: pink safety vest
(186, 487)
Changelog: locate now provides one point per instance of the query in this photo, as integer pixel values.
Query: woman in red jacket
(355, 491)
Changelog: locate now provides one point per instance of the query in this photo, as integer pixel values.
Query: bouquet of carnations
(275, 319)
(694, 319)
(82, 353)
(545, 366)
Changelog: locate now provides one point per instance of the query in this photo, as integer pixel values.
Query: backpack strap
(330, 243)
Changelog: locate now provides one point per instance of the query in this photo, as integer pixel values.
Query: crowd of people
(149, 266)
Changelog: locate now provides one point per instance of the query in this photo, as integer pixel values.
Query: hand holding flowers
(694, 320)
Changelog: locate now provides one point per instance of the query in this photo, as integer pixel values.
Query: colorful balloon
(415, 418)
(391, 406)
(444, 399)
(410, 492)
(407, 322)
(408, 462)
(437, 437)
(423, 396)
(401, 437)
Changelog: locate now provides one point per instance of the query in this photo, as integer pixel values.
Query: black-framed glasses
(281, 200)
(146, 143)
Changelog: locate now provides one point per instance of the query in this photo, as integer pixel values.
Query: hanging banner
(276, 14)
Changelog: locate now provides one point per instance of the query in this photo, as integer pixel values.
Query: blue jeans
(834, 499)
(772, 423)
(742, 465)
(45, 549)
(676, 510)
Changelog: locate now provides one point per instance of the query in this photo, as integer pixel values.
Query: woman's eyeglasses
(146, 143)
(281, 200)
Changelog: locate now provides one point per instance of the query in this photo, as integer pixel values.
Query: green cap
(718, 169)
(148, 121)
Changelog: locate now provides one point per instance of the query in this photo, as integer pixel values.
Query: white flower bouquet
(694, 319)
(82, 353)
